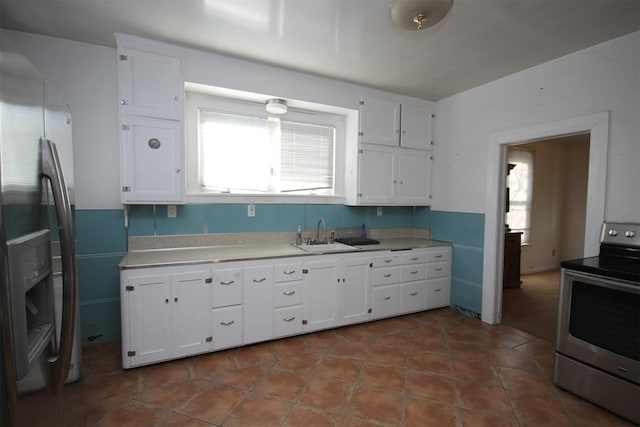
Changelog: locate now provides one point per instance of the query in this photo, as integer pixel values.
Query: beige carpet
(533, 307)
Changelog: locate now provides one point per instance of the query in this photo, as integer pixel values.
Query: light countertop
(245, 252)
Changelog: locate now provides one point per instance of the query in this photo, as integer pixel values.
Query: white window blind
(255, 154)
(520, 183)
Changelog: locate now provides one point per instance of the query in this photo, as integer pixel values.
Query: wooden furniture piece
(511, 271)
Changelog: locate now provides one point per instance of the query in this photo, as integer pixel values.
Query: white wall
(86, 76)
(602, 78)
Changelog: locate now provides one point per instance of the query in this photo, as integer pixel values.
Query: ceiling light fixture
(276, 106)
(416, 15)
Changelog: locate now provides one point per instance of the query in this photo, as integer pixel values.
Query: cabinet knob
(413, 294)
(175, 299)
(166, 300)
(386, 298)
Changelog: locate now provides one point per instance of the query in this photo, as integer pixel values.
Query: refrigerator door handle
(52, 170)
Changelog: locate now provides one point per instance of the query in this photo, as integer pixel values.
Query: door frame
(597, 125)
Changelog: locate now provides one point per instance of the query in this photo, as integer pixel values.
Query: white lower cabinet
(164, 315)
(226, 327)
(177, 311)
(257, 302)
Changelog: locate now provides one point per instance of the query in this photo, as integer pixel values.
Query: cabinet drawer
(385, 276)
(438, 292)
(437, 269)
(287, 272)
(414, 272)
(385, 301)
(439, 255)
(288, 294)
(386, 261)
(288, 321)
(414, 258)
(226, 287)
(413, 297)
(226, 326)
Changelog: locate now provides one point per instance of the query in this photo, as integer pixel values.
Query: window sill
(205, 198)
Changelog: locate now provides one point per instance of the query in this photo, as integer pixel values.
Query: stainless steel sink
(326, 247)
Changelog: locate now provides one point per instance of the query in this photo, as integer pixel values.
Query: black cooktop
(357, 241)
(625, 269)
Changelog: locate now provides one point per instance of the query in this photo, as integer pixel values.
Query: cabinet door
(413, 296)
(226, 286)
(414, 177)
(377, 175)
(258, 303)
(151, 161)
(416, 127)
(385, 301)
(355, 290)
(190, 312)
(226, 325)
(149, 320)
(150, 84)
(320, 295)
(438, 292)
(379, 121)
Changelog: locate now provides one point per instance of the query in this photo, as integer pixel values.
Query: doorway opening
(596, 126)
(544, 226)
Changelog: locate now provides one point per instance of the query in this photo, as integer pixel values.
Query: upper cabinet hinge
(361, 102)
(304, 322)
(305, 271)
(124, 57)
(208, 339)
(360, 151)
(371, 265)
(126, 189)
(128, 287)
(131, 353)
(208, 280)
(124, 127)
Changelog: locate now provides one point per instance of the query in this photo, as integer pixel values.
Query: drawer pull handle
(438, 269)
(413, 294)
(414, 272)
(386, 298)
(289, 272)
(437, 290)
(227, 283)
(289, 293)
(387, 260)
(228, 323)
(289, 319)
(262, 279)
(415, 258)
(438, 256)
(388, 275)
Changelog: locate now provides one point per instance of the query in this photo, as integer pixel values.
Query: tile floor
(436, 368)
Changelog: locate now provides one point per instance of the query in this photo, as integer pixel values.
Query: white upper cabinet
(151, 106)
(150, 84)
(393, 161)
(416, 127)
(151, 160)
(379, 121)
(391, 123)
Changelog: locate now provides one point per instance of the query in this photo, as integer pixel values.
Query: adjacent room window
(520, 184)
(242, 150)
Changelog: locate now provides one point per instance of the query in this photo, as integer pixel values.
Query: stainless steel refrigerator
(39, 343)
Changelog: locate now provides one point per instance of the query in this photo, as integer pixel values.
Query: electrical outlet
(172, 211)
(251, 210)
(379, 211)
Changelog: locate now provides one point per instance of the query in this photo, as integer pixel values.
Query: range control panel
(621, 233)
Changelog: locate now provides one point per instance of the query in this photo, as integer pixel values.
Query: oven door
(599, 323)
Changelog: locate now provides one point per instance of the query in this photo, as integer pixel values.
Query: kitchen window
(520, 183)
(237, 149)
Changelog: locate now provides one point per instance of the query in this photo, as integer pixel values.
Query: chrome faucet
(321, 221)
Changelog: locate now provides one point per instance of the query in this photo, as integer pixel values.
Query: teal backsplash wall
(466, 232)
(102, 242)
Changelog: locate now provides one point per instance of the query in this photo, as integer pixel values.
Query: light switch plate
(379, 211)
(172, 211)
(251, 210)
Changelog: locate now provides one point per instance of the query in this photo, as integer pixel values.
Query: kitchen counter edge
(250, 252)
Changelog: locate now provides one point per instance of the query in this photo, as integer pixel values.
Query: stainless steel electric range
(598, 340)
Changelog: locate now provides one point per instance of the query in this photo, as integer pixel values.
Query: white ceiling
(351, 40)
